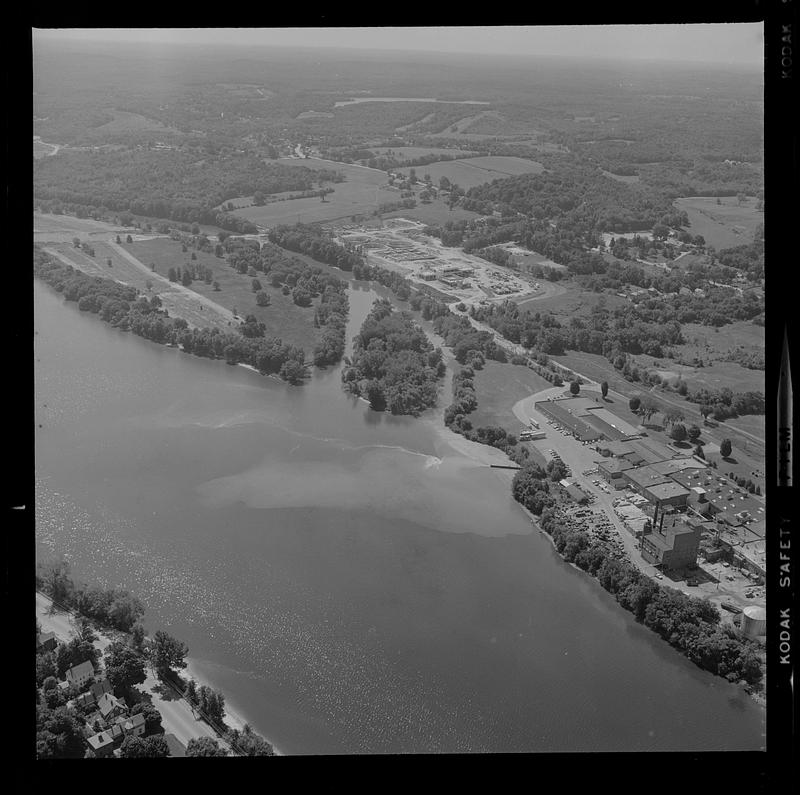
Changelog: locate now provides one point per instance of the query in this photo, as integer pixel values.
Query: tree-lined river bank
(352, 581)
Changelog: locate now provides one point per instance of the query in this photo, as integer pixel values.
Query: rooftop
(663, 491)
(616, 423)
(645, 476)
(83, 669)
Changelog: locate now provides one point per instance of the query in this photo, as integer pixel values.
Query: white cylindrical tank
(754, 621)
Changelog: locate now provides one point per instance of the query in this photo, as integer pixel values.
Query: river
(350, 580)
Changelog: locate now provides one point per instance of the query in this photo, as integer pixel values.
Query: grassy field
(410, 152)
(499, 387)
(177, 302)
(282, 318)
(474, 171)
(571, 302)
(49, 228)
(361, 193)
(126, 122)
(437, 212)
(722, 225)
(629, 180)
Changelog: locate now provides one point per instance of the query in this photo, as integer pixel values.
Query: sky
(732, 43)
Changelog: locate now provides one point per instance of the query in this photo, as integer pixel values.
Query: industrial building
(673, 547)
(611, 469)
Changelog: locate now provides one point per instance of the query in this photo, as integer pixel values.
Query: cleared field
(437, 212)
(474, 171)
(126, 122)
(282, 318)
(630, 180)
(179, 302)
(363, 192)
(410, 152)
(567, 301)
(499, 387)
(49, 228)
(723, 225)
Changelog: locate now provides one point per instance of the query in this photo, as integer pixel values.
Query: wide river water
(350, 580)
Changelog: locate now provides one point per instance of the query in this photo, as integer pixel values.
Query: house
(79, 675)
(99, 688)
(93, 694)
(103, 742)
(110, 706)
(131, 725)
(46, 641)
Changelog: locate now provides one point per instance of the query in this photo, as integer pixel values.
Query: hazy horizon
(731, 44)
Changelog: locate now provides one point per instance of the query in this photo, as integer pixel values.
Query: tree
(255, 285)
(76, 241)
(604, 388)
(134, 748)
(168, 653)
(119, 240)
(191, 691)
(249, 743)
(129, 239)
(574, 387)
(172, 274)
(152, 717)
(634, 403)
(678, 432)
(292, 371)
(216, 287)
(698, 451)
(725, 448)
(56, 580)
(204, 746)
(262, 299)
(124, 666)
(694, 433)
(259, 199)
(137, 636)
(109, 263)
(49, 683)
(85, 631)
(149, 285)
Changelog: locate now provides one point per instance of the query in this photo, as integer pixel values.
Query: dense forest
(125, 309)
(394, 365)
(174, 184)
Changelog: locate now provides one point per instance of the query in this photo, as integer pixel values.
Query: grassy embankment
(283, 318)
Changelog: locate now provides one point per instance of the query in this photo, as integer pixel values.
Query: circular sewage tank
(754, 621)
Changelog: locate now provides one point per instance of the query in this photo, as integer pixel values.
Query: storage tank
(754, 621)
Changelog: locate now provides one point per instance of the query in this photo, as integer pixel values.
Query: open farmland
(474, 171)
(362, 193)
(723, 225)
(282, 318)
(411, 152)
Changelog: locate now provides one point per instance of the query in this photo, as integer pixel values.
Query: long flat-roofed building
(610, 425)
(640, 478)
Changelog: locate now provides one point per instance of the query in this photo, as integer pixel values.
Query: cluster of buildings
(689, 508)
(107, 714)
(674, 503)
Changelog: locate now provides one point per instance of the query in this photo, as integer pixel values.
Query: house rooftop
(82, 669)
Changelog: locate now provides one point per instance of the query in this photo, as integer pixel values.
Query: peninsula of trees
(394, 365)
